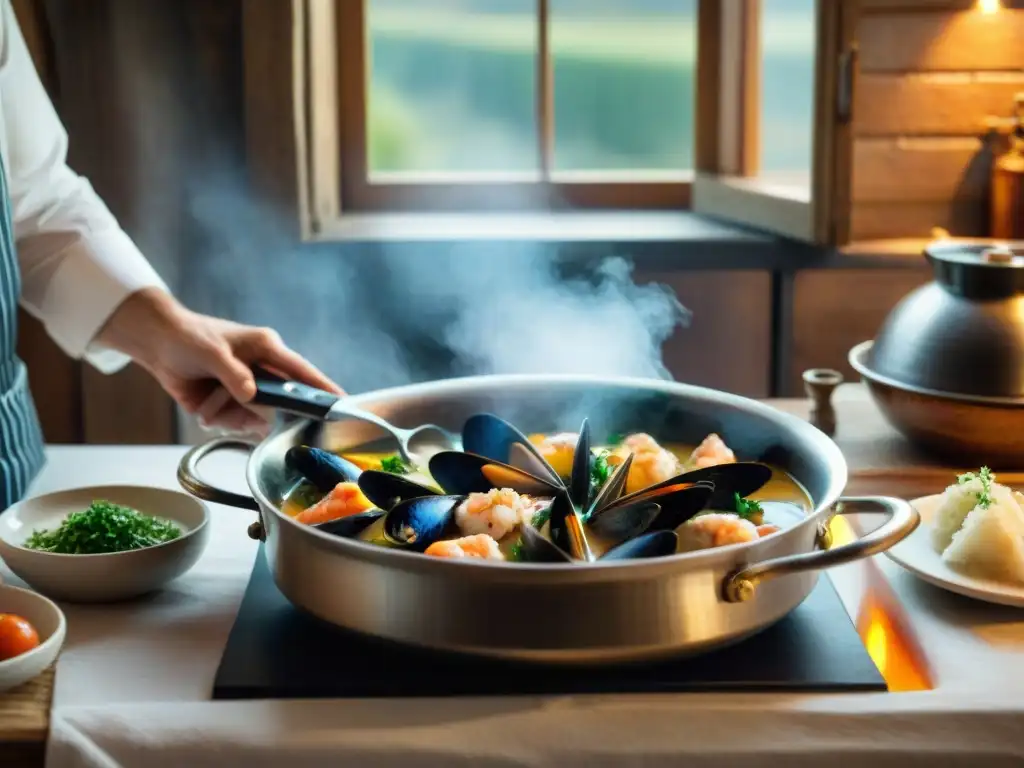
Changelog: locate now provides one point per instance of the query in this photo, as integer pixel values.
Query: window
(723, 106)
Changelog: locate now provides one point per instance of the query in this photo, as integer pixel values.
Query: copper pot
(947, 366)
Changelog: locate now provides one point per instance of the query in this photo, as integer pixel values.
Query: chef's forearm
(141, 324)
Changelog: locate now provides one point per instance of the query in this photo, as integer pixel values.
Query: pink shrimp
(480, 546)
(345, 499)
(715, 529)
(652, 464)
(710, 452)
(767, 530)
(496, 513)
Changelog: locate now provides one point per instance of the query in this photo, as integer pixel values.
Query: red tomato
(17, 636)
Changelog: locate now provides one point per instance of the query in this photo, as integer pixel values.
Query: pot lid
(962, 334)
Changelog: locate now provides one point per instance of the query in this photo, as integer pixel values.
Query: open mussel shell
(491, 436)
(612, 489)
(415, 524)
(579, 481)
(463, 473)
(742, 477)
(654, 544)
(386, 489)
(322, 468)
(626, 522)
(537, 549)
(678, 504)
(352, 525)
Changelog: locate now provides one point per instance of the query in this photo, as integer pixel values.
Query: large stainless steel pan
(585, 614)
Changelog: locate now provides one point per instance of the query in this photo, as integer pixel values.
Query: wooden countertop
(880, 461)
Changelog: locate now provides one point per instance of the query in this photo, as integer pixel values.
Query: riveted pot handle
(903, 520)
(188, 474)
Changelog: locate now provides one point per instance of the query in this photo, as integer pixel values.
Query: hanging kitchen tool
(1007, 206)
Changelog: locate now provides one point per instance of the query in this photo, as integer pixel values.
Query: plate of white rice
(970, 541)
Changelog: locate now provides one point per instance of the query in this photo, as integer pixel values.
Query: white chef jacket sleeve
(77, 264)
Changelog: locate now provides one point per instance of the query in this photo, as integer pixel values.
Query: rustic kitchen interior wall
(931, 74)
(153, 95)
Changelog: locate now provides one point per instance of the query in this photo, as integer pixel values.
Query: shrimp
(710, 452)
(345, 499)
(715, 529)
(767, 530)
(558, 450)
(496, 513)
(652, 464)
(480, 546)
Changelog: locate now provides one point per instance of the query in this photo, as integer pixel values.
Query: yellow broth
(791, 500)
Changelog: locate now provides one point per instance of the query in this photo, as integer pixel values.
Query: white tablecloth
(133, 686)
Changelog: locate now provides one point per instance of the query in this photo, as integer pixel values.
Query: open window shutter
(810, 206)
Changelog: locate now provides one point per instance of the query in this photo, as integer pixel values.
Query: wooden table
(880, 461)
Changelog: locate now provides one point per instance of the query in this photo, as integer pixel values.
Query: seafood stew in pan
(546, 498)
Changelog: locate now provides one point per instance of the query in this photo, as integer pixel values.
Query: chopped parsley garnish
(103, 528)
(616, 438)
(748, 508)
(394, 465)
(516, 551)
(986, 478)
(600, 469)
(541, 516)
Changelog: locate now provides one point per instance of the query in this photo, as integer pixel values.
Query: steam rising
(373, 316)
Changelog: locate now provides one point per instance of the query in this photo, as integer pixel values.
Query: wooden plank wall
(931, 71)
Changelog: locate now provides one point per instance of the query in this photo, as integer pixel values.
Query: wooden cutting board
(25, 722)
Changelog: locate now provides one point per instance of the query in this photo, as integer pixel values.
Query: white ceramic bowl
(105, 577)
(50, 625)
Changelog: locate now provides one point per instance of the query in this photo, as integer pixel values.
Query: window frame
(542, 191)
(315, 164)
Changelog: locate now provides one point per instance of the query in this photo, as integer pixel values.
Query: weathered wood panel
(833, 310)
(932, 103)
(874, 221)
(942, 41)
(920, 170)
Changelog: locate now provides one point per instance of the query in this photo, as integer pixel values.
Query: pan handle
(903, 520)
(188, 474)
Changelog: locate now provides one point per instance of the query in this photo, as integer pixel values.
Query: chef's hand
(204, 362)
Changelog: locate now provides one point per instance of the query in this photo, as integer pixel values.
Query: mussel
(321, 468)
(466, 473)
(417, 523)
(386, 489)
(494, 438)
(537, 549)
(351, 526)
(740, 477)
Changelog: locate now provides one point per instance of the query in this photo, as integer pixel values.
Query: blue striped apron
(21, 439)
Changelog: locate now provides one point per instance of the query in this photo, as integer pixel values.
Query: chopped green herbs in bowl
(103, 544)
(103, 528)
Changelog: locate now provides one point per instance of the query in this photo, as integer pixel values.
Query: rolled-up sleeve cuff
(95, 276)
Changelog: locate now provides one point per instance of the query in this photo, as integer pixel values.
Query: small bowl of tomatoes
(32, 630)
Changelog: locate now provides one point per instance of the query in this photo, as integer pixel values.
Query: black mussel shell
(654, 544)
(626, 522)
(322, 468)
(612, 489)
(579, 481)
(491, 436)
(566, 528)
(537, 549)
(352, 525)
(465, 473)
(742, 477)
(386, 489)
(678, 503)
(417, 523)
